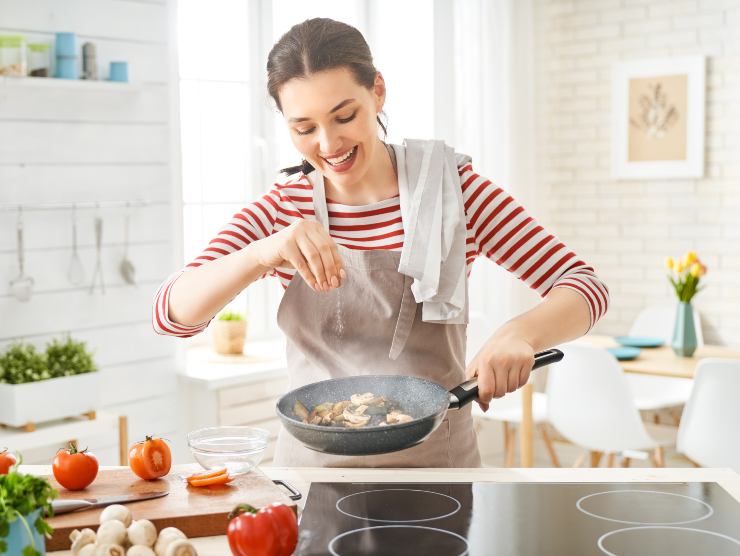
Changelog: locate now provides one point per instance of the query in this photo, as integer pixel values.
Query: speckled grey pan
(424, 400)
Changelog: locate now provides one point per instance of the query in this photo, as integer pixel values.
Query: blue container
(66, 68)
(118, 72)
(18, 536)
(66, 45)
(684, 331)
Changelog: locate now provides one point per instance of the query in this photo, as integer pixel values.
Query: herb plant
(230, 315)
(21, 363)
(68, 357)
(21, 495)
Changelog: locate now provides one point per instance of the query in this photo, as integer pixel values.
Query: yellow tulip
(690, 258)
(680, 267)
(696, 270)
(669, 263)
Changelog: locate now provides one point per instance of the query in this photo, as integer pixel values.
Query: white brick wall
(626, 228)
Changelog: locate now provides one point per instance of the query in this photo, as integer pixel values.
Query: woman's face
(332, 122)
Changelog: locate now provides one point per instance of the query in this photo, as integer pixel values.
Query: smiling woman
(373, 244)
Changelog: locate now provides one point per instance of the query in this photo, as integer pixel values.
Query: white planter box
(46, 400)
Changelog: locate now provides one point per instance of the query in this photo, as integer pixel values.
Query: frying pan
(423, 399)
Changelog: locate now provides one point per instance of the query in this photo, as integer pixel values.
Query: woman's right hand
(306, 246)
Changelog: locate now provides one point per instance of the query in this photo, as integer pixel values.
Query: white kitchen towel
(433, 214)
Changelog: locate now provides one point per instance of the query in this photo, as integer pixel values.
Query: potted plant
(229, 332)
(24, 502)
(65, 373)
(684, 275)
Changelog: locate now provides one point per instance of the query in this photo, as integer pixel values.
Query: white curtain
(494, 123)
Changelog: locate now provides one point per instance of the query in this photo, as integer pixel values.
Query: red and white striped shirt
(498, 228)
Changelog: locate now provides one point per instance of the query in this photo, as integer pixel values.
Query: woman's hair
(316, 45)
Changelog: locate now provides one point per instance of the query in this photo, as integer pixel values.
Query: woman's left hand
(502, 365)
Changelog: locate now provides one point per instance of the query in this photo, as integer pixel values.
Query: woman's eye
(347, 120)
(299, 132)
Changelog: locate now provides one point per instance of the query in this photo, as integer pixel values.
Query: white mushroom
(140, 550)
(142, 532)
(167, 536)
(355, 419)
(181, 547)
(117, 512)
(87, 550)
(361, 399)
(109, 549)
(111, 532)
(80, 539)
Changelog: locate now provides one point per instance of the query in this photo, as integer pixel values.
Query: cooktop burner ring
(600, 542)
(709, 509)
(427, 529)
(365, 517)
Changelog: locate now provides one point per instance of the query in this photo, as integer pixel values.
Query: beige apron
(372, 325)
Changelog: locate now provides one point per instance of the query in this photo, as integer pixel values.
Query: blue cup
(65, 45)
(118, 72)
(66, 67)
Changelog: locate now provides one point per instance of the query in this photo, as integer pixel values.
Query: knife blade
(72, 505)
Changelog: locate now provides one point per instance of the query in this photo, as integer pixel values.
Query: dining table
(658, 361)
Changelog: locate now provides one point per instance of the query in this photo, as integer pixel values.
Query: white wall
(626, 228)
(65, 145)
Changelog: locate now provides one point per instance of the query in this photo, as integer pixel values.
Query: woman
(373, 244)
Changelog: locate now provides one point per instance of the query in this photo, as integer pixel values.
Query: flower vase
(684, 330)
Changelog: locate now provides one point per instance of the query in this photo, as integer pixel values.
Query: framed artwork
(658, 118)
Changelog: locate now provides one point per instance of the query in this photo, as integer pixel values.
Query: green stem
(28, 529)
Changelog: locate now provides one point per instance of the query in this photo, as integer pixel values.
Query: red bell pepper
(270, 531)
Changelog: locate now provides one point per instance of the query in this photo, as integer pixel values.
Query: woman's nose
(328, 143)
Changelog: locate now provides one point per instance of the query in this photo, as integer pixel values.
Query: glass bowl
(239, 449)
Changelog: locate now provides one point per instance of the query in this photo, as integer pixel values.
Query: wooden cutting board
(197, 512)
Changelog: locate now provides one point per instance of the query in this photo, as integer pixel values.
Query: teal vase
(18, 536)
(684, 330)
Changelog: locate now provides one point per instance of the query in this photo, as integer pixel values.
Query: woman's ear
(379, 91)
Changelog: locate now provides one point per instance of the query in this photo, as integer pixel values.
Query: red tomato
(271, 531)
(74, 470)
(150, 459)
(7, 460)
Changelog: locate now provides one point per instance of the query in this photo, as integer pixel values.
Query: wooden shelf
(78, 84)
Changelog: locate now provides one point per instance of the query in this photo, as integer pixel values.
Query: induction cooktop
(522, 519)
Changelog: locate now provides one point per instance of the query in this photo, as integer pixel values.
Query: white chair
(708, 433)
(589, 402)
(507, 410)
(655, 393)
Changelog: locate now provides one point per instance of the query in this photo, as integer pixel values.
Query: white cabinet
(234, 390)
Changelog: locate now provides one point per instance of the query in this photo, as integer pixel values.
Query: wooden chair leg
(625, 462)
(610, 459)
(579, 461)
(595, 458)
(657, 457)
(122, 440)
(509, 445)
(548, 445)
(656, 418)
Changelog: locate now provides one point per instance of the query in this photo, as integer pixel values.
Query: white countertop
(301, 478)
(260, 360)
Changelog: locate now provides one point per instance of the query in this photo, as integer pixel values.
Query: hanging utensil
(76, 272)
(21, 286)
(127, 268)
(98, 272)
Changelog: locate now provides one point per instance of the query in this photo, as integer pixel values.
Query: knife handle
(66, 506)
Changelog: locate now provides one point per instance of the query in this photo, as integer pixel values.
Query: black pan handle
(466, 392)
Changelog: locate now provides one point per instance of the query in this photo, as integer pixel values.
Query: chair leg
(610, 459)
(548, 445)
(656, 418)
(657, 457)
(579, 461)
(595, 458)
(509, 445)
(625, 462)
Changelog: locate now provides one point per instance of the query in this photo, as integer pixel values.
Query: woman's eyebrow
(337, 107)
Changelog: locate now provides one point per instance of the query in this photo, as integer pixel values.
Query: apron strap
(405, 321)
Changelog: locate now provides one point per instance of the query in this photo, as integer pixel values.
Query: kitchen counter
(301, 478)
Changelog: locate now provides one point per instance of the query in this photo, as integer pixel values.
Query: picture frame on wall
(658, 118)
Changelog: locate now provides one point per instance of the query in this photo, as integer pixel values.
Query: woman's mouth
(344, 162)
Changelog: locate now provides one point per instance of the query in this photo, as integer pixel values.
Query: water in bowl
(237, 454)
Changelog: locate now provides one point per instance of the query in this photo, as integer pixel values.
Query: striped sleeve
(504, 232)
(253, 222)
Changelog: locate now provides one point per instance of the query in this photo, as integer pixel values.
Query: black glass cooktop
(522, 519)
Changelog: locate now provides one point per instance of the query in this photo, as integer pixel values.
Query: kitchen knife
(72, 505)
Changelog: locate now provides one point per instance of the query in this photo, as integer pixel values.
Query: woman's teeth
(338, 161)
